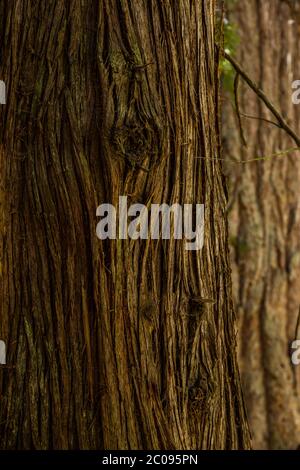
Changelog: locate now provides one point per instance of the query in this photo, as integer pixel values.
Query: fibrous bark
(112, 346)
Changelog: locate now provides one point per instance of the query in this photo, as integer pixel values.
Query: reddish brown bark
(110, 348)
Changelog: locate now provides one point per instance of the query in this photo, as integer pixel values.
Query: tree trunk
(111, 347)
(264, 223)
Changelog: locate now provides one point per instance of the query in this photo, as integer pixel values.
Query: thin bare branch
(255, 159)
(258, 118)
(237, 107)
(281, 121)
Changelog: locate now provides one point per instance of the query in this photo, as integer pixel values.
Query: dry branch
(281, 121)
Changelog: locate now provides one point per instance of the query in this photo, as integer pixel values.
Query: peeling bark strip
(111, 351)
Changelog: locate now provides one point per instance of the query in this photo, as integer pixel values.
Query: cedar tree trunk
(112, 342)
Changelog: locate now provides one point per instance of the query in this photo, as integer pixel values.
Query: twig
(248, 116)
(255, 159)
(281, 121)
(237, 108)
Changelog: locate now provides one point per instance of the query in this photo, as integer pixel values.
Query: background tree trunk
(264, 222)
(111, 344)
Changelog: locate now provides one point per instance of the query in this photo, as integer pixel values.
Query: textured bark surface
(111, 350)
(264, 223)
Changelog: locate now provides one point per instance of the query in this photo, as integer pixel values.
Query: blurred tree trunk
(112, 344)
(264, 222)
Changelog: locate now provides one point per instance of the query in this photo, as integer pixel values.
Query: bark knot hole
(136, 141)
